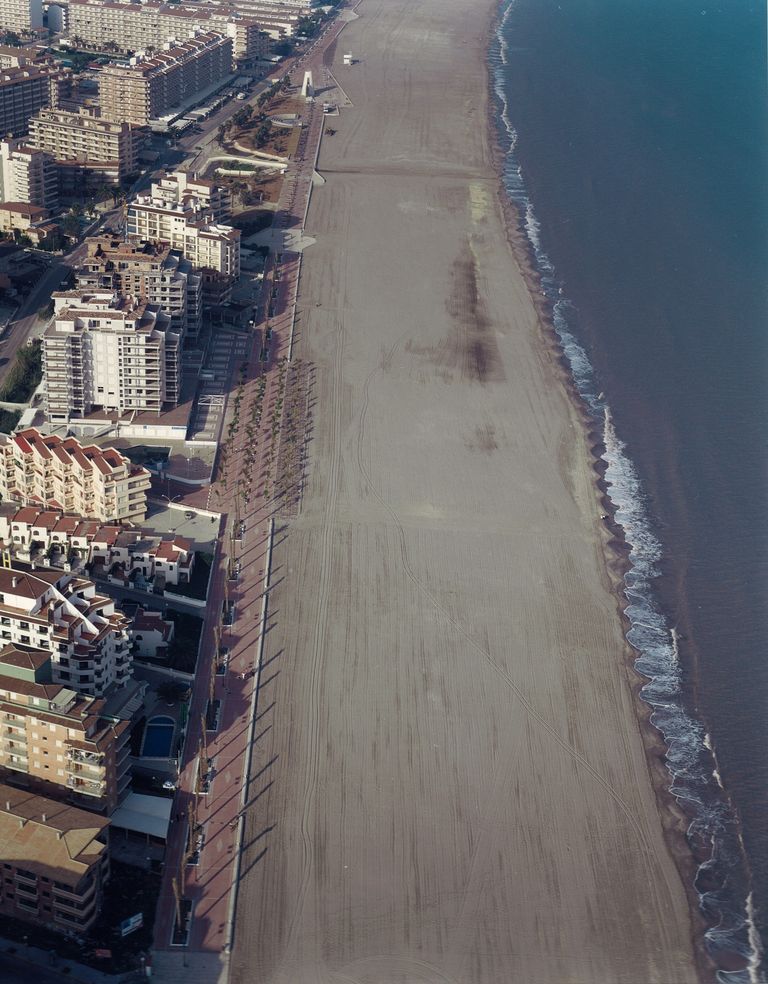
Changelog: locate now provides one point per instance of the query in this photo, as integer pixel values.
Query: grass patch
(26, 374)
(182, 652)
(8, 420)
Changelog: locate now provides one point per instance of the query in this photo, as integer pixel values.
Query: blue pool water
(158, 737)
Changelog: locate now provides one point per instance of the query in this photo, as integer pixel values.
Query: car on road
(189, 514)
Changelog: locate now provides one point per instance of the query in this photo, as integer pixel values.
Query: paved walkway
(214, 791)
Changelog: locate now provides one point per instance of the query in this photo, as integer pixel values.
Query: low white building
(151, 635)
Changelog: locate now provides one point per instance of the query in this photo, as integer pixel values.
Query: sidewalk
(68, 970)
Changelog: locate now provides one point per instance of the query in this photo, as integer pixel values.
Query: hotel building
(183, 187)
(152, 87)
(212, 247)
(21, 15)
(84, 142)
(27, 175)
(146, 269)
(109, 352)
(145, 27)
(118, 553)
(24, 91)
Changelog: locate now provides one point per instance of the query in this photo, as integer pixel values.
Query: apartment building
(212, 247)
(27, 175)
(63, 474)
(145, 27)
(55, 861)
(24, 91)
(62, 614)
(56, 741)
(116, 552)
(146, 269)
(109, 352)
(21, 15)
(152, 87)
(82, 141)
(182, 187)
(12, 57)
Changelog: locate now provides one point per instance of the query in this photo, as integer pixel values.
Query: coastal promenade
(449, 781)
(216, 796)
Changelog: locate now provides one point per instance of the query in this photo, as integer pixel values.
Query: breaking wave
(691, 760)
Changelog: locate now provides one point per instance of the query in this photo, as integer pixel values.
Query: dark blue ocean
(636, 139)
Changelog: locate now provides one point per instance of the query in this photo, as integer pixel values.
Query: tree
(172, 691)
(70, 225)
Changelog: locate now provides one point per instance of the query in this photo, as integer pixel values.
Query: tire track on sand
(312, 757)
(649, 855)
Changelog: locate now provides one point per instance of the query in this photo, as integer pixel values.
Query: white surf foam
(691, 760)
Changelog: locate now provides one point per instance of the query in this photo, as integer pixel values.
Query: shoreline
(675, 821)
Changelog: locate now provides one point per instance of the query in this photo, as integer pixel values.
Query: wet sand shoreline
(673, 817)
(463, 794)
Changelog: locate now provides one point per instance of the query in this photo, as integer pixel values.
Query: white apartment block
(109, 352)
(27, 175)
(152, 87)
(135, 27)
(185, 226)
(180, 187)
(61, 614)
(88, 142)
(21, 15)
(146, 269)
(63, 474)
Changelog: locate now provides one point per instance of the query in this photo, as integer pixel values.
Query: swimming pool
(158, 737)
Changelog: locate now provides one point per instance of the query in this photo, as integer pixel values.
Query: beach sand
(451, 782)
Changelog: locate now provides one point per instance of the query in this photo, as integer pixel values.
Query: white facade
(187, 227)
(109, 351)
(21, 15)
(87, 639)
(27, 175)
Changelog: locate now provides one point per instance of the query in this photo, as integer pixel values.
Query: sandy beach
(450, 777)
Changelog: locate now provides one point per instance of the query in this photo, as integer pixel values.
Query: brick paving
(213, 793)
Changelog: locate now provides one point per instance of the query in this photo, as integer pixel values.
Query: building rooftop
(48, 838)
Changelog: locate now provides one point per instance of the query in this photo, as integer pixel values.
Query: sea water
(636, 151)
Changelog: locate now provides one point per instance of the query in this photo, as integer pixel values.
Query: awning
(144, 815)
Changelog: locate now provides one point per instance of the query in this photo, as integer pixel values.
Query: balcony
(86, 787)
(92, 772)
(85, 758)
